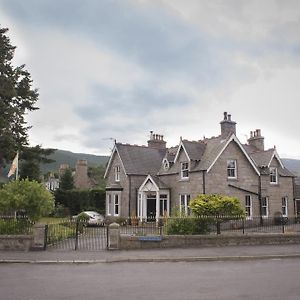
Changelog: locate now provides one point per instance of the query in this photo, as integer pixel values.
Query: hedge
(81, 200)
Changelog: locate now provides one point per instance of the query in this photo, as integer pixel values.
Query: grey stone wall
(16, 242)
(133, 242)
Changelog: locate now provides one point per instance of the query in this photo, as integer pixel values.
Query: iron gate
(76, 235)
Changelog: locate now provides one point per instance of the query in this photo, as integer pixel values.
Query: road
(258, 279)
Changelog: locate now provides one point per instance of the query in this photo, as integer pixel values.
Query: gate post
(39, 237)
(114, 236)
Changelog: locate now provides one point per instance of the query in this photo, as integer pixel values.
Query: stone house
(150, 181)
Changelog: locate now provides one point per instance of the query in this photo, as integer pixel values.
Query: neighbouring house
(150, 181)
(80, 175)
(52, 183)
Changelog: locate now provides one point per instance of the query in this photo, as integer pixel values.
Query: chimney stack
(256, 140)
(227, 126)
(156, 141)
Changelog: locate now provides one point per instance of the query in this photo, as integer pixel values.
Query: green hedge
(80, 200)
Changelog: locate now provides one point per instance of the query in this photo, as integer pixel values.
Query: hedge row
(77, 201)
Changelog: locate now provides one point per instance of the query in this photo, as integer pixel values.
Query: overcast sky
(120, 68)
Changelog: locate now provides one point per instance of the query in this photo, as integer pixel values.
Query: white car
(95, 219)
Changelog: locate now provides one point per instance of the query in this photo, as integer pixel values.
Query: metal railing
(15, 225)
(208, 225)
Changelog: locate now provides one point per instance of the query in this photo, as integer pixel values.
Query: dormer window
(273, 175)
(117, 173)
(231, 169)
(166, 164)
(184, 170)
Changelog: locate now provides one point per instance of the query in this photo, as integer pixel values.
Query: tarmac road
(254, 279)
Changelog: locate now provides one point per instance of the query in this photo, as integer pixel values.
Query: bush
(28, 196)
(188, 225)
(60, 211)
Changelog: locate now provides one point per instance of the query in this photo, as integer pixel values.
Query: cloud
(121, 68)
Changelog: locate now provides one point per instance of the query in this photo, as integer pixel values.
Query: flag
(14, 165)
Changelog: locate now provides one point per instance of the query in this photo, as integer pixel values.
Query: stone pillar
(39, 237)
(114, 236)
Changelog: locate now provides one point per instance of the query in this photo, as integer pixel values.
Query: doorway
(151, 208)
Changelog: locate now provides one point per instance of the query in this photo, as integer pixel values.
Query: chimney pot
(229, 117)
(225, 115)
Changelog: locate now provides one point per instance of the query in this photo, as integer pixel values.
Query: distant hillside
(70, 158)
(293, 165)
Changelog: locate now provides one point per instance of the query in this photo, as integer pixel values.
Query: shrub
(28, 196)
(187, 225)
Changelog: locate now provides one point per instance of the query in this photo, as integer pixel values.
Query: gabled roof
(217, 147)
(156, 182)
(263, 158)
(193, 149)
(137, 160)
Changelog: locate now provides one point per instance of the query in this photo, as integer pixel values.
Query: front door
(151, 207)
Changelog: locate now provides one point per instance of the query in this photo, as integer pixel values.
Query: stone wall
(16, 242)
(190, 241)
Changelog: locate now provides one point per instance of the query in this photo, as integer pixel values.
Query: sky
(115, 69)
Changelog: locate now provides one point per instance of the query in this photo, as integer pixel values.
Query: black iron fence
(15, 225)
(208, 225)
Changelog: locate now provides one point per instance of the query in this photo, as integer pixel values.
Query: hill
(70, 158)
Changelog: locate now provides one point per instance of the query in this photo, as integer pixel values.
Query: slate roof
(213, 148)
(194, 149)
(261, 158)
(140, 160)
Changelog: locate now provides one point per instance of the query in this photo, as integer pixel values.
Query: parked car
(93, 218)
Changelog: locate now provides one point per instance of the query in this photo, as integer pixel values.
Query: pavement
(153, 255)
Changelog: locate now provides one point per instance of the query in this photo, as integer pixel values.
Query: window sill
(184, 179)
(232, 179)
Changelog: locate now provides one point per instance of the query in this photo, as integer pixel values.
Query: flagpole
(17, 169)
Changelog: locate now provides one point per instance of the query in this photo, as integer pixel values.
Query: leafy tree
(216, 205)
(66, 181)
(17, 97)
(28, 196)
(31, 158)
(97, 175)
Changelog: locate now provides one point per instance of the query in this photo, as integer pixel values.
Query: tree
(66, 181)
(28, 196)
(31, 158)
(216, 205)
(97, 175)
(17, 97)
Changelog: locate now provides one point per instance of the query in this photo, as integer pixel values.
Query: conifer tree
(17, 97)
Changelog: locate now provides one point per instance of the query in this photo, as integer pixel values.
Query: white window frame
(266, 207)
(284, 206)
(163, 200)
(273, 175)
(117, 173)
(231, 169)
(116, 204)
(184, 170)
(109, 202)
(184, 200)
(248, 206)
